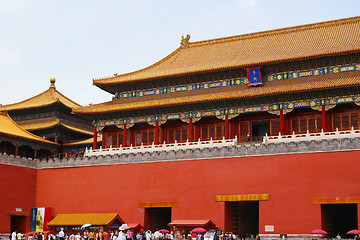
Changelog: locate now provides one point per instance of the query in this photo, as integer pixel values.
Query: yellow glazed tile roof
(96, 219)
(9, 127)
(85, 142)
(233, 92)
(319, 39)
(77, 129)
(39, 124)
(51, 122)
(45, 98)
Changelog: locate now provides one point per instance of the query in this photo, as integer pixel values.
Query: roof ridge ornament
(52, 83)
(185, 40)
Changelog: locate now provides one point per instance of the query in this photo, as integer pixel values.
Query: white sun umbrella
(85, 225)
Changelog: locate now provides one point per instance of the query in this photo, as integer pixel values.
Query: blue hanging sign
(254, 76)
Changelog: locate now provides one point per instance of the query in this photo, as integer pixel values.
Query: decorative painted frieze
(234, 112)
(240, 81)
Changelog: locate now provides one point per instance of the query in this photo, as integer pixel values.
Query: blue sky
(78, 40)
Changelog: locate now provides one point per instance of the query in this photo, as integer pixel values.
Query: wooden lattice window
(244, 131)
(180, 134)
(312, 124)
(295, 125)
(355, 120)
(337, 122)
(214, 131)
(274, 127)
(344, 121)
(145, 136)
(304, 123)
(116, 139)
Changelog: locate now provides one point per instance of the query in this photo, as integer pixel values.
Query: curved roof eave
(263, 47)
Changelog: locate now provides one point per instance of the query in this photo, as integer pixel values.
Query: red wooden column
(35, 150)
(156, 142)
(16, 150)
(323, 118)
(226, 126)
(282, 125)
(95, 138)
(124, 136)
(190, 130)
(56, 141)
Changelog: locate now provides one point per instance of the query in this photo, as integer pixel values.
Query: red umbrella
(318, 231)
(199, 230)
(163, 231)
(355, 231)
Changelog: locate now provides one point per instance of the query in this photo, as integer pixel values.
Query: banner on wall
(40, 217)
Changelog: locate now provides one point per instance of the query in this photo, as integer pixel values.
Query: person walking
(116, 235)
(106, 235)
(92, 235)
(61, 234)
(122, 235)
(177, 234)
(101, 232)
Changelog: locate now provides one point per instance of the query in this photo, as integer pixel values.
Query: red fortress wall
(292, 181)
(18, 190)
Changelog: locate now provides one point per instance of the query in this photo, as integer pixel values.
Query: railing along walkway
(311, 136)
(161, 147)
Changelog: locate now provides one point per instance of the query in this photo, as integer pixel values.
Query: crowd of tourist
(22, 236)
(124, 233)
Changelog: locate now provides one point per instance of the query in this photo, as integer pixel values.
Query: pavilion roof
(10, 128)
(96, 219)
(193, 223)
(287, 44)
(84, 141)
(45, 98)
(37, 124)
(232, 92)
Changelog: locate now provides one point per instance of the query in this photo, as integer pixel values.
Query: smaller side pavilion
(49, 114)
(188, 225)
(73, 222)
(16, 141)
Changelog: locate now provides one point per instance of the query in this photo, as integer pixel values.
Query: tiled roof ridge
(26, 132)
(100, 81)
(76, 128)
(143, 69)
(52, 122)
(83, 141)
(18, 103)
(55, 97)
(38, 120)
(55, 121)
(277, 31)
(68, 99)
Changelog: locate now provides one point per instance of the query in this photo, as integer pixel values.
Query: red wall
(292, 181)
(18, 190)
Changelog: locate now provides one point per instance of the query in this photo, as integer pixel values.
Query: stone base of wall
(4, 236)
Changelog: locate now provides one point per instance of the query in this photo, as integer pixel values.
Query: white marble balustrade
(161, 147)
(311, 136)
